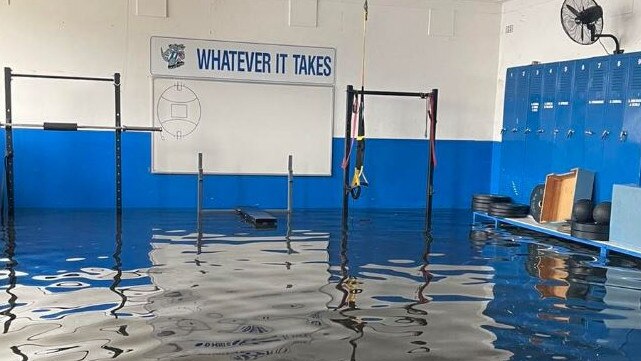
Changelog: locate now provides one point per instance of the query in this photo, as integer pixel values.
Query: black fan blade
(591, 14)
(573, 10)
(582, 33)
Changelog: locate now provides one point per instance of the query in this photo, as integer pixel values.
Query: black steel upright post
(348, 138)
(118, 146)
(8, 156)
(199, 187)
(290, 184)
(199, 205)
(430, 161)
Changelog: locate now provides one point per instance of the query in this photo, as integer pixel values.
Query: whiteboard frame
(195, 172)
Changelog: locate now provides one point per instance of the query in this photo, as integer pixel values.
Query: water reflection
(10, 268)
(559, 304)
(117, 278)
(67, 313)
(348, 286)
(217, 289)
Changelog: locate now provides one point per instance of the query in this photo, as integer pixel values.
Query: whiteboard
(241, 128)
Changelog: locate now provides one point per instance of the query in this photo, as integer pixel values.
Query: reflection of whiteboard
(241, 128)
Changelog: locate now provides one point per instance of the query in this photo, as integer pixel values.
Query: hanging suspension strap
(359, 179)
(354, 129)
(432, 126)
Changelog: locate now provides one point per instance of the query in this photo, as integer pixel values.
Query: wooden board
(562, 191)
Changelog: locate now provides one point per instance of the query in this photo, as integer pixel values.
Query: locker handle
(527, 131)
(623, 136)
(541, 131)
(515, 130)
(556, 131)
(503, 130)
(589, 132)
(570, 133)
(605, 134)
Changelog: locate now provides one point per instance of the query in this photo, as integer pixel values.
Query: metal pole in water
(8, 145)
(290, 184)
(430, 160)
(118, 141)
(199, 204)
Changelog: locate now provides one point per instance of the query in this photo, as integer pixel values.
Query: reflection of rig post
(351, 286)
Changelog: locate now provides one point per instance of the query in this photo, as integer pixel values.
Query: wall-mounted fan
(582, 20)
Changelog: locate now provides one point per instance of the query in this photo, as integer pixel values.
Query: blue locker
(513, 149)
(509, 123)
(584, 113)
(613, 171)
(576, 133)
(629, 158)
(565, 148)
(594, 119)
(534, 165)
(547, 126)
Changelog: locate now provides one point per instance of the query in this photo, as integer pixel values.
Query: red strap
(430, 113)
(355, 111)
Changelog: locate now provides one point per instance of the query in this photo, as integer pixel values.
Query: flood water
(74, 287)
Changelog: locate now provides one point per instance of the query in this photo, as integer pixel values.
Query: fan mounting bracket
(596, 37)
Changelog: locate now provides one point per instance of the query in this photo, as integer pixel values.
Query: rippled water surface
(74, 288)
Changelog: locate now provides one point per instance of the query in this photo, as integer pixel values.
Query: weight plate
(509, 207)
(591, 227)
(491, 198)
(509, 214)
(536, 202)
(592, 236)
(512, 210)
(481, 204)
(481, 207)
(486, 207)
(488, 202)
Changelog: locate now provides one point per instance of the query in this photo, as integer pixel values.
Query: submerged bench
(257, 217)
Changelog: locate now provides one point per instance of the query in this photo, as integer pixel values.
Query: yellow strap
(360, 137)
(356, 181)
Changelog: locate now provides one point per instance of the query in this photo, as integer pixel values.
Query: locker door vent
(635, 82)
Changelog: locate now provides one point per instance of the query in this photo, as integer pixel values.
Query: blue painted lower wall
(496, 167)
(76, 170)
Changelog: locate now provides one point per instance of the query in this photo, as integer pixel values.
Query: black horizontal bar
(390, 94)
(60, 77)
(127, 128)
(60, 126)
(75, 126)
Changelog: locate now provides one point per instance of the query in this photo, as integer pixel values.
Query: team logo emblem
(174, 55)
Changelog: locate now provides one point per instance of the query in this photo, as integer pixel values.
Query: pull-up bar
(118, 128)
(431, 96)
(76, 126)
(388, 93)
(62, 77)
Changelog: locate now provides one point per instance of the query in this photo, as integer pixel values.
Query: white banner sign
(191, 58)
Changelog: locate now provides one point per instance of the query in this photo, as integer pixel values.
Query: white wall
(539, 36)
(99, 37)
